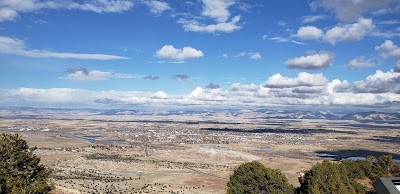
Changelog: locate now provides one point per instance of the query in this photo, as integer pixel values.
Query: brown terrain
(187, 154)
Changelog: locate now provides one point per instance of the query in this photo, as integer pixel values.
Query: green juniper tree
(253, 177)
(327, 177)
(20, 171)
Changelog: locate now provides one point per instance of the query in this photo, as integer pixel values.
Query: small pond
(95, 138)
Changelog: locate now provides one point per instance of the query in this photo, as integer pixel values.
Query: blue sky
(108, 53)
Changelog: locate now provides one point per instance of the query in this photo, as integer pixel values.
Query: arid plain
(187, 153)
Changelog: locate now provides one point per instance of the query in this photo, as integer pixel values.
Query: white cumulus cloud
(160, 95)
(170, 52)
(207, 95)
(381, 89)
(378, 83)
(360, 62)
(309, 33)
(320, 60)
(350, 32)
(388, 49)
(7, 14)
(217, 9)
(302, 79)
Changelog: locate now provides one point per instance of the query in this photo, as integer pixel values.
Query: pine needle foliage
(253, 177)
(20, 171)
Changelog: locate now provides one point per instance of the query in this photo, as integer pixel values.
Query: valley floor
(188, 154)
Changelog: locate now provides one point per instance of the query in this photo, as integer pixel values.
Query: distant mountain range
(371, 116)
